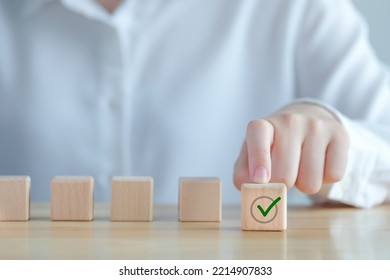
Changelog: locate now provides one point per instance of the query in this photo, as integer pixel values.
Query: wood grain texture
(14, 198)
(200, 199)
(254, 196)
(132, 199)
(314, 232)
(72, 199)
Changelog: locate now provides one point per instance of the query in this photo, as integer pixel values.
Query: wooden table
(313, 233)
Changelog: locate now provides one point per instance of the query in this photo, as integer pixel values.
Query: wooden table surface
(312, 233)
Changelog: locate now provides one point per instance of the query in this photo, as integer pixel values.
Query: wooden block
(14, 198)
(71, 199)
(200, 200)
(264, 207)
(132, 199)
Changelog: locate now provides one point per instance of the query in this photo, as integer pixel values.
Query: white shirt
(165, 88)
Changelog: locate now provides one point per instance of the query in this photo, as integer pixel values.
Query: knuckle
(316, 126)
(291, 120)
(288, 180)
(342, 136)
(262, 153)
(333, 175)
(308, 186)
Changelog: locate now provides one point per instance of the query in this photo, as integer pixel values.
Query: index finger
(259, 139)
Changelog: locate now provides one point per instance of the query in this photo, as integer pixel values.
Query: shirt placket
(110, 108)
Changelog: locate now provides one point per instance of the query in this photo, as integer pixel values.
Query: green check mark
(265, 213)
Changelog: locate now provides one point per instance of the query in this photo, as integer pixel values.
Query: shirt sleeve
(337, 69)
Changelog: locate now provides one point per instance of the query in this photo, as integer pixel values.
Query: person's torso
(163, 88)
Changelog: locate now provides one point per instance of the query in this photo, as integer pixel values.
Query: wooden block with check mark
(71, 199)
(264, 207)
(200, 199)
(14, 198)
(132, 199)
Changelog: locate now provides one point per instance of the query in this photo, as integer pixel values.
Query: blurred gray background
(377, 15)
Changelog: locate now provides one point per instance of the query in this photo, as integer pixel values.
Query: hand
(302, 145)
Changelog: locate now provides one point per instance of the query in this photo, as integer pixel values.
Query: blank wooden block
(71, 199)
(132, 199)
(14, 198)
(264, 207)
(200, 200)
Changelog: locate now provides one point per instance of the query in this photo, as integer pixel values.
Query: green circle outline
(253, 216)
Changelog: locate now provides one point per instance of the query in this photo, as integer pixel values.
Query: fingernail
(261, 175)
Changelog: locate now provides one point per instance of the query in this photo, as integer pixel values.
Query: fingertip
(237, 183)
(239, 178)
(261, 175)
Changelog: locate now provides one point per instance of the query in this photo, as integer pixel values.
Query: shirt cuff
(357, 187)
